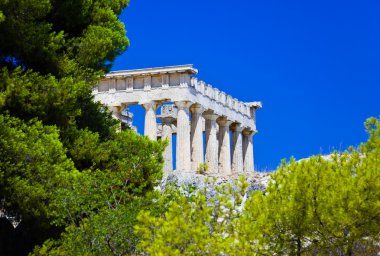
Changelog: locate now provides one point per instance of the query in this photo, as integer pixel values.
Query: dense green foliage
(61, 37)
(192, 225)
(27, 150)
(318, 205)
(63, 164)
(80, 187)
(314, 207)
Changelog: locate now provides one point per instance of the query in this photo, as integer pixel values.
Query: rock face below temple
(188, 181)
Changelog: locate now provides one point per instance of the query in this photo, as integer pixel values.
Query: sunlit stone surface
(196, 108)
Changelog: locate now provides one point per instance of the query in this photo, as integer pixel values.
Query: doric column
(116, 114)
(116, 111)
(196, 136)
(237, 149)
(211, 158)
(183, 156)
(167, 135)
(150, 125)
(224, 146)
(248, 150)
(253, 107)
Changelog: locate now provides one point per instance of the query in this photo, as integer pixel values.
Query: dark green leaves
(47, 36)
(33, 166)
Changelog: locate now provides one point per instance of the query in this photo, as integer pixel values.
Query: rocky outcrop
(187, 182)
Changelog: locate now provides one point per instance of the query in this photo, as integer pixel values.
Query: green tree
(99, 206)
(33, 164)
(319, 206)
(26, 151)
(193, 225)
(51, 54)
(61, 37)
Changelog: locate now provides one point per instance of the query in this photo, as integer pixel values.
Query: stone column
(196, 136)
(248, 150)
(183, 137)
(211, 158)
(224, 146)
(237, 149)
(116, 114)
(167, 135)
(150, 125)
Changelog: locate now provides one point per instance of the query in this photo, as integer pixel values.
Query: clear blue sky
(314, 64)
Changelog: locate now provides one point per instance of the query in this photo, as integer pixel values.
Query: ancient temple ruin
(197, 108)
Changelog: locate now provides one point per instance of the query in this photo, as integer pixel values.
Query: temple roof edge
(188, 68)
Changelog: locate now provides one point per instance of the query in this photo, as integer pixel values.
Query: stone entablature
(171, 84)
(197, 108)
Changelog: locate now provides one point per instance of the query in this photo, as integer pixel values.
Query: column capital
(248, 132)
(114, 108)
(124, 105)
(236, 127)
(255, 104)
(197, 108)
(210, 115)
(223, 121)
(183, 104)
(116, 113)
(150, 105)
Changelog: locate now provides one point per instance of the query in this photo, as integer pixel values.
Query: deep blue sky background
(314, 64)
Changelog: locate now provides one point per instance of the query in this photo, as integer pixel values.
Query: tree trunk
(299, 247)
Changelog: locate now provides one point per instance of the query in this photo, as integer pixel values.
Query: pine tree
(319, 206)
(62, 162)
